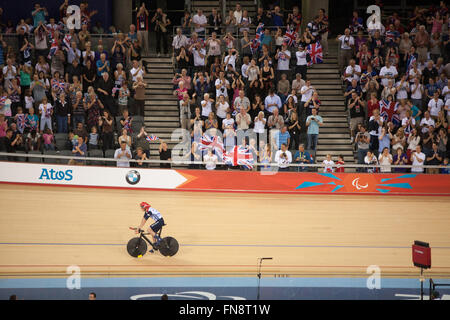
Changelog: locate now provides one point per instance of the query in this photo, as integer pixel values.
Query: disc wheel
(136, 247)
(168, 246)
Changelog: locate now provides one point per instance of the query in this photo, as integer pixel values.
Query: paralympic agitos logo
(56, 175)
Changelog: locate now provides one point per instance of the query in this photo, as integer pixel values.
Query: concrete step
(334, 141)
(326, 82)
(163, 104)
(165, 97)
(334, 136)
(337, 99)
(347, 159)
(154, 75)
(334, 108)
(330, 114)
(160, 107)
(156, 130)
(334, 119)
(326, 65)
(327, 86)
(333, 91)
(320, 152)
(153, 60)
(335, 125)
(321, 146)
(167, 85)
(155, 91)
(161, 69)
(154, 118)
(161, 113)
(323, 71)
(323, 77)
(334, 130)
(158, 81)
(161, 124)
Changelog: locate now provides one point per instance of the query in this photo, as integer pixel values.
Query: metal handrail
(187, 162)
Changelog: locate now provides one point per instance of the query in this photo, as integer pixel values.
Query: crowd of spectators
(227, 82)
(59, 92)
(397, 93)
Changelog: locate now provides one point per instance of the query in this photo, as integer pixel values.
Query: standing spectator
(422, 41)
(123, 155)
(161, 21)
(272, 102)
(313, 122)
(63, 108)
(142, 28)
(179, 41)
(385, 160)
(283, 57)
(301, 156)
(200, 22)
(388, 72)
(322, 20)
(243, 120)
(294, 130)
(46, 112)
(215, 21)
(105, 122)
(39, 13)
(283, 158)
(302, 63)
(346, 43)
(356, 108)
(417, 159)
(139, 95)
(434, 159)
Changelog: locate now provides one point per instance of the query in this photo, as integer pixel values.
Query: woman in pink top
(48, 139)
(437, 23)
(180, 91)
(3, 126)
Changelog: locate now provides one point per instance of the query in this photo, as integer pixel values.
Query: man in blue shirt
(283, 137)
(302, 156)
(313, 122)
(272, 101)
(38, 14)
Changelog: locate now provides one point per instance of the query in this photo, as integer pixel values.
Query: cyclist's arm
(143, 221)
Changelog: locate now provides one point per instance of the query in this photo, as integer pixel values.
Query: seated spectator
(165, 154)
(371, 159)
(385, 160)
(210, 160)
(301, 156)
(123, 155)
(283, 158)
(79, 150)
(272, 102)
(328, 164)
(434, 158)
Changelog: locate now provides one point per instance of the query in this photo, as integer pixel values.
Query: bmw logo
(133, 177)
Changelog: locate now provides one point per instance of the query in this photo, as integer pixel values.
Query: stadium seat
(110, 154)
(61, 136)
(61, 145)
(33, 159)
(96, 154)
(51, 153)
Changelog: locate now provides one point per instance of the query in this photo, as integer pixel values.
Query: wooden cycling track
(43, 230)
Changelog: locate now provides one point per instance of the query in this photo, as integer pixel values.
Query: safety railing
(181, 161)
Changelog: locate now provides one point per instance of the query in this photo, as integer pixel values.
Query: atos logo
(56, 175)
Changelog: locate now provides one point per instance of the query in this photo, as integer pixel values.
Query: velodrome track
(43, 230)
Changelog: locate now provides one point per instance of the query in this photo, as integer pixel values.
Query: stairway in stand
(334, 135)
(161, 115)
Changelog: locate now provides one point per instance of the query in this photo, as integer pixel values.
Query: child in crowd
(31, 120)
(19, 118)
(340, 164)
(328, 164)
(93, 138)
(33, 141)
(49, 139)
(29, 100)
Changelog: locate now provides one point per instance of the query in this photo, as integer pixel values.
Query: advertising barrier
(226, 181)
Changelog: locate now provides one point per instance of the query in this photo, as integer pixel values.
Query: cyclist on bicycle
(150, 212)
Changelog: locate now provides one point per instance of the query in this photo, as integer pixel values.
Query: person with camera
(356, 108)
(283, 158)
(161, 22)
(142, 28)
(346, 43)
(313, 122)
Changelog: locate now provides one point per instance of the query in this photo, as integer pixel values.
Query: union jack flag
(409, 64)
(127, 124)
(315, 51)
(215, 143)
(20, 121)
(290, 36)
(59, 86)
(151, 138)
(387, 109)
(239, 156)
(66, 41)
(53, 49)
(257, 41)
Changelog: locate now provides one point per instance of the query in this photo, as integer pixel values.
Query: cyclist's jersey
(152, 213)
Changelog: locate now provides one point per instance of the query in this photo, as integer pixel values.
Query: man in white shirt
(283, 158)
(306, 91)
(346, 42)
(297, 84)
(426, 122)
(199, 54)
(206, 104)
(137, 71)
(180, 40)
(200, 22)
(435, 105)
(272, 101)
(352, 72)
(417, 159)
(447, 108)
(388, 72)
(9, 71)
(230, 58)
(238, 12)
(446, 93)
(416, 93)
(283, 57)
(241, 102)
(123, 155)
